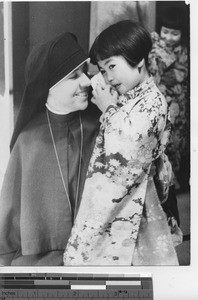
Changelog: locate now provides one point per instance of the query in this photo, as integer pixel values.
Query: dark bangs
(125, 38)
(112, 42)
(104, 46)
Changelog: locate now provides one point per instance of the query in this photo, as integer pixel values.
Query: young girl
(120, 220)
(168, 63)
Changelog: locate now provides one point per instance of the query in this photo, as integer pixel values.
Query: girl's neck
(144, 74)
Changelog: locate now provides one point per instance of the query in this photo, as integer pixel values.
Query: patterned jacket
(132, 136)
(169, 67)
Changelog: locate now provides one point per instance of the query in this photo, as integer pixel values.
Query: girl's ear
(140, 65)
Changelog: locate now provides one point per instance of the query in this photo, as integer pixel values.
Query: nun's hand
(103, 96)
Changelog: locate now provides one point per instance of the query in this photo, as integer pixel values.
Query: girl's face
(172, 37)
(71, 93)
(119, 74)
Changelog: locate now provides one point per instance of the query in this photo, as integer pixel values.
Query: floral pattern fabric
(169, 67)
(133, 134)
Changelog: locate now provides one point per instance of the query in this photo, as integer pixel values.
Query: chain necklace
(59, 166)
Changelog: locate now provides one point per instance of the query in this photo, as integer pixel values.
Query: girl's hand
(103, 96)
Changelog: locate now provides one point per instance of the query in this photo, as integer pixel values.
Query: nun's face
(71, 93)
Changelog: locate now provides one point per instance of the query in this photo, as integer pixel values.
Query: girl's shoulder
(160, 55)
(155, 98)
(147, 98)
(181, 53)
(152, 99)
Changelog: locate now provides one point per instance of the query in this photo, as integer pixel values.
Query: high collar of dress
(139, 90)
(62, 119)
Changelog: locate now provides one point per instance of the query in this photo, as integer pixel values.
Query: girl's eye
(111, 67)
(102, 71)
(164, 30)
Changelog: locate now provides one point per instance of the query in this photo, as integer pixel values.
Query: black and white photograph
(65, 181)
(95, 134)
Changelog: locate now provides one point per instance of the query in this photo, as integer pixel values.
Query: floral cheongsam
(169, 66)
(120, 220)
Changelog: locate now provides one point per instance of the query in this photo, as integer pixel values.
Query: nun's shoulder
(34, 131)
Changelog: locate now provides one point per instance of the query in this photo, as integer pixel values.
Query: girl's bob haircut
(173, 17)
(125, 38)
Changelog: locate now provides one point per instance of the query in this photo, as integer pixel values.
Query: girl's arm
(131, 138)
